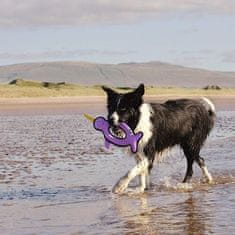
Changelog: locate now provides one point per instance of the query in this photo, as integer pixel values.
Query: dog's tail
(209, 106)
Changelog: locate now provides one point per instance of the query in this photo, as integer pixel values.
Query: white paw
(208, 180)
(207, 175)
(120, 186)
(136, 190)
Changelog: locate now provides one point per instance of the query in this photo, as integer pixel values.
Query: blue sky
(185, 32)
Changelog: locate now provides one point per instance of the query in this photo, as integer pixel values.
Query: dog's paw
(119, 189)
(206, 180)
(137, 190)
(120, 186)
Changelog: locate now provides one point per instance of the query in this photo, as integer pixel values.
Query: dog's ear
(140, 90)
(109, 91)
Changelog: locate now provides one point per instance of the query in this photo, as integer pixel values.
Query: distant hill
(119, 75)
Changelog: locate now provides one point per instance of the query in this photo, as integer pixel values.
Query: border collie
(182, 122)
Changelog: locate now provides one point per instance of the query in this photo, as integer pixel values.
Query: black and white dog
(183, 122)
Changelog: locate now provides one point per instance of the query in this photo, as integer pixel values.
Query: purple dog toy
(131, 139)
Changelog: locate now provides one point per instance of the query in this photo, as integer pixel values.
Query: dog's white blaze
(115, 118)
(209, 103)
(145, 125)
(206, 173)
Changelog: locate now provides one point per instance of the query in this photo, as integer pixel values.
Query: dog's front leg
(143, 182)
(140, 168)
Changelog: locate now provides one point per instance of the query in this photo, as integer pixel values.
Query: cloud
(202, 52)
(190, 61)
(62, 54)
(21, 13)
(200, 58)
(193, 58)
(228, 57)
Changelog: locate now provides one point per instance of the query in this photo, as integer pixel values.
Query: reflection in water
(196, 220)
(139, 216)
(136, 214)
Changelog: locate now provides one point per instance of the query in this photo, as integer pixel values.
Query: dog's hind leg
(190, 159)
(139, 169)
(189, 171)
(201, 162)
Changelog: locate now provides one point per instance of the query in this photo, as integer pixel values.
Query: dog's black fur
(183, 122)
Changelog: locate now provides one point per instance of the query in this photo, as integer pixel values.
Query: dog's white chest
(145, 125)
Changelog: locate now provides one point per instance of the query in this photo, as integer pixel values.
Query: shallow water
(56, 178)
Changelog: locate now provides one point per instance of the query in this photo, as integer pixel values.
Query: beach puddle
(56, 177)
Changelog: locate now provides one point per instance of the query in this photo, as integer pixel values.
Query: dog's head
(124, 107)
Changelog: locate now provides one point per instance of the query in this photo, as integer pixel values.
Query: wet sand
(56, 176)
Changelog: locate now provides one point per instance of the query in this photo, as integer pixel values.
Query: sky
(193, 33)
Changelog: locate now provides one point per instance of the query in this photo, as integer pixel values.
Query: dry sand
(53, 105)
(81, 104)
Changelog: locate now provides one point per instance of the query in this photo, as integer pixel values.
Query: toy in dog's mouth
(122, 135)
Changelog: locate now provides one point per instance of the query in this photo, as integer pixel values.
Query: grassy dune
(39, 89)
(22, 88)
